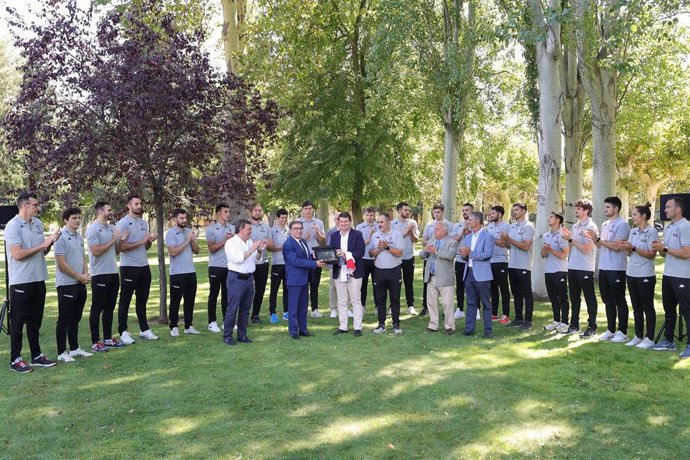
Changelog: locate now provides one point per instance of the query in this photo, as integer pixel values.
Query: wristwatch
(634, 249)
(665, 249)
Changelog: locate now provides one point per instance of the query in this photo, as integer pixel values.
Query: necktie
(301, 243)
(432, 262)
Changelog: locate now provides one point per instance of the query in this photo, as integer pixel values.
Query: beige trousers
(349, 292)
(445, 295)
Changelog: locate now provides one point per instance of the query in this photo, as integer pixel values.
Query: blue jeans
(477, 291)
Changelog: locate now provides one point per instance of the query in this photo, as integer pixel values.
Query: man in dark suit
(348, 278)
(298, 265)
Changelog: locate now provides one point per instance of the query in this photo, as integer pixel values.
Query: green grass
(418, 395)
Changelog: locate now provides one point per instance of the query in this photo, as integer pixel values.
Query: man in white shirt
(242, 254)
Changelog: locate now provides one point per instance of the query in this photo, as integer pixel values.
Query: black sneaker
(42, 361)
(396, 329)
(358, 333)
(424, 312)
(112, 343)
(514, 323)
(588, 334)
(572, 330)
(380, 329)
(230, 342)
(339, 331)
(255, 320)
(525, 325)
(19, 365)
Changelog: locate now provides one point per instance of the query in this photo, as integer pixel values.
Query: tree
(134, 103)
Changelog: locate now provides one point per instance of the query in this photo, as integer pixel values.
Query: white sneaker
(635, 340)
(317, 314)
(66, 358)
(191, 330)
(81, 353)
(350, 314)
(458, 314)
(411, 311)
(126, 338)
(552, 326)
(645, 344)
(213, 327)
(334, 314)
(148, 335)
(562, 328)
(479, 315)
(174, 332)
(234, 328)
(619, 337)
(608, 335)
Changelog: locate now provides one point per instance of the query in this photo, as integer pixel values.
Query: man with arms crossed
(181, 243)
(217, 234)
(104, 241)
(26, 247)
(410, 232)
(135, 274)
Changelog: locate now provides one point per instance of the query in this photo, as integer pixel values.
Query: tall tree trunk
(572, 109)
(234, 12)
(160, 230)
(450, 168)
(549, 135)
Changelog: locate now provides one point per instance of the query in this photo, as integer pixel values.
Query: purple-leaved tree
(131, 102)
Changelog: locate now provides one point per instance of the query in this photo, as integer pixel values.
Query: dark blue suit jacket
(355, 245)
(297, 264)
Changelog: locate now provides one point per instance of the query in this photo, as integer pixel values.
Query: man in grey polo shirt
(181, 243)
(135, 273)
(555, 250)
(519, 239)
(260, 232)
(675, 284)
(613, 261)
(279, 233)
(104, 241)
(217, 234)
(499, 265)
(387, 247)
(368, 227)
(315, 234)
(410, 232)
(26, 246)
(581, 261)
(71, 278)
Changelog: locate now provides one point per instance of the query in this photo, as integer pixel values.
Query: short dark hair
(558, 216)
(520, 205)
(220, 206)
(132, 196)
(679, 202)
(24, 197)
(385, 214)
(345, 215)
(99, 205)
(281, 212)
(306, 203)
(615, 201)
(470, 205)
(176, 212)
(240, 224)
(439, 206)
(644, 210)
(292, 224)
(401, 204)
(370, 209)
(499, 209)
(69, 212)
(586, 205)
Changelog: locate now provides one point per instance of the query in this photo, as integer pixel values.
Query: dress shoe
(306, 334)
(295, 337)
(255, 320)
(339, 331)
(244, 340)
(428, 329)
(358, 333)
(230, 342)
(450, 331)
(468, 333)
(488, 335)
(424, 312)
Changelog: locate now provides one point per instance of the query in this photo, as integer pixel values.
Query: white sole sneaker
(126, 338)
(65, 358)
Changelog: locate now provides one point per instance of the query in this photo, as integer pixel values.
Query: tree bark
(572, 109)
(160, 230)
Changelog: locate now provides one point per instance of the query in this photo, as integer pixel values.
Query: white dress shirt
(234, 250)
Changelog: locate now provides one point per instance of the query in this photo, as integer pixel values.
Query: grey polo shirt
(365, 229)
(138, 229)
(216, 232)
(455, 231)
(495, 229)
(677, 236)
(521, 232)
(279, 235)
(261, 231)
(384, 259)
(184, 261)
(638, 266)
(399, 225)
(27, 235)
(97, 235)
(553, 264)
(577, 260)
(613, 230)
(307, 225)
(71, 246)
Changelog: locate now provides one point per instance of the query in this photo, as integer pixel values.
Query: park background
(350, 104)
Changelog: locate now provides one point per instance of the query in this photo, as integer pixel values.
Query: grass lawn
(417, 395)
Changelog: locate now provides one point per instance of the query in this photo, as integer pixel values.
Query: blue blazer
(481, 256)
(297, 264)
(355, 245)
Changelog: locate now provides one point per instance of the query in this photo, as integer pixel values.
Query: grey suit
(440, 283)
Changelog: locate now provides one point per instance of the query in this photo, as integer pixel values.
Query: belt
(241, 276)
